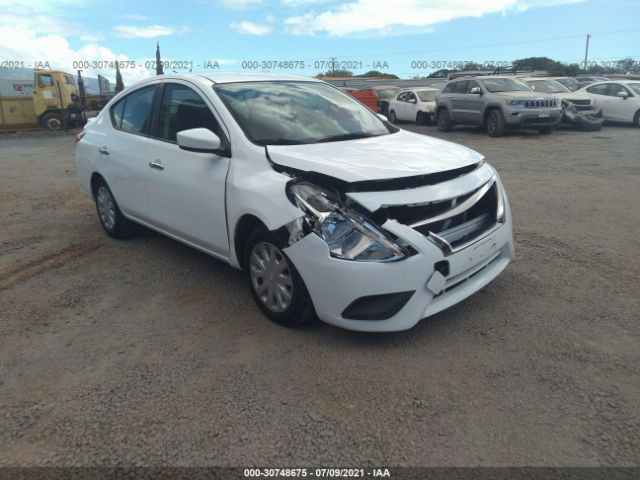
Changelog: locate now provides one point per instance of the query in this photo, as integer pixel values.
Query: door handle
(104, 150)
(157, 165)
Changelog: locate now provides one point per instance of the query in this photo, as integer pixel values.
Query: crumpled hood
(397, 155)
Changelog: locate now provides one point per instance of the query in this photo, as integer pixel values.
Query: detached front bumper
(337, 285)
(532, 117)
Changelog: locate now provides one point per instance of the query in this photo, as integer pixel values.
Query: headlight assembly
(515, 103)
(349, 235)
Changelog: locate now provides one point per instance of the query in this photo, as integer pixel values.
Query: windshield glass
(547, 86)
(635, 87)
(292, 113)
(496, 85)
(387, 93)
(427, 96)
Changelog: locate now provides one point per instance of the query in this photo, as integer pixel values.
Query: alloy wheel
(106, 207)
(271, 277)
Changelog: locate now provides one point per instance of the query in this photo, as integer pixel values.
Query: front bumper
(335, 284)
(532, 117)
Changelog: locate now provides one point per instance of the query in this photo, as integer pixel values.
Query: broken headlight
(349, 235)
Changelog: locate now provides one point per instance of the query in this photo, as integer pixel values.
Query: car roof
(231, 77)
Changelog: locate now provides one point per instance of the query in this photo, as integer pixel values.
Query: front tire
(636, 120)
(547, 130)
(52, 122)
(422, 118)
(275, 284)
(111, 218)
(392, 117)
(495, 123)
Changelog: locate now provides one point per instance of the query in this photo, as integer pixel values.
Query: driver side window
(615, 88)
(183, 109)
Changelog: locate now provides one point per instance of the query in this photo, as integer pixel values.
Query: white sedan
(619, 99)
(328, 209)
(415, 105)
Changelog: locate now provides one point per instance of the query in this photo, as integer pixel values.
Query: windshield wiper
(279, 141)
(347, 136)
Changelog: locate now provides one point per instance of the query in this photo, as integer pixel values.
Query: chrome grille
(540, 103)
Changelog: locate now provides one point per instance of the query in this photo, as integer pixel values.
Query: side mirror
(475, 91)
(382, 117)
(201, 140)
(623, 95)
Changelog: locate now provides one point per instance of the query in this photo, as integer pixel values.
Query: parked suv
(496, 103)
(327, 208)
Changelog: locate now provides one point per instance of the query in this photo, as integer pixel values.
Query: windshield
(427, 96)
(547, 86)
(387, 93)
(635, 87)
(496, 85)
(571, 83)
(298, 112)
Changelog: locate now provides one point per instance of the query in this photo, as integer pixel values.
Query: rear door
(122, 150)
(187, 189)
(457, 101)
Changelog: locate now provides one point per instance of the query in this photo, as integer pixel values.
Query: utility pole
(333, 66)
(586, 53)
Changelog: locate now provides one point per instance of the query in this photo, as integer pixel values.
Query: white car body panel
(200, 198)
(407, 111)
(615, 108)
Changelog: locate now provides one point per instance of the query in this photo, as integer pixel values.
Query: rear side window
(449, 87)
(183, 109)
(461, 87)
(133, 113)
(116, 113)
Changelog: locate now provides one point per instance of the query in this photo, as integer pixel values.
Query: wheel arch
(243, 228)
(487, 111)
(95, 178)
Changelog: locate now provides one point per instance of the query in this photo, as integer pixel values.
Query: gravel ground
(147, 352)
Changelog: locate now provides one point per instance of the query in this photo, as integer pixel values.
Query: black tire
(422, 118)
(444, 120)
(299, 309)
(549, 129)
(636, 120)
(495, 123)
(392, 117)
(114, 222)
(52, 122)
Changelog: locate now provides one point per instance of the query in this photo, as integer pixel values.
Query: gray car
(496, 103)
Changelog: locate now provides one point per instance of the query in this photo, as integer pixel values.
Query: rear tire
(52, 122)
(274, 282)
(392, 117)
(495, 123)
(547, 130)
(636, 121)
(444, 120)
(111, 218)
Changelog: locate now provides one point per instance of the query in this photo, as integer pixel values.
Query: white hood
(397, 155)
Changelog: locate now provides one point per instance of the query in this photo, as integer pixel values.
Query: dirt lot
(148, 352)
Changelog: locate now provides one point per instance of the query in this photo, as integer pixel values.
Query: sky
(404, 37)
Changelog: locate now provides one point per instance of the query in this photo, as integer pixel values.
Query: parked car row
(499, 103)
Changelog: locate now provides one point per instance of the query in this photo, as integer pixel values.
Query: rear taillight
(79, 136)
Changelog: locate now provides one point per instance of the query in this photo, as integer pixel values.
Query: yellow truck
(50, 101)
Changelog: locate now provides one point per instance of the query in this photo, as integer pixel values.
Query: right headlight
(349, 235)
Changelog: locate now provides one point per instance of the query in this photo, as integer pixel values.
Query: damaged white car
(329, 209)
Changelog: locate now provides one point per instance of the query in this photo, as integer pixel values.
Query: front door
(186, 190)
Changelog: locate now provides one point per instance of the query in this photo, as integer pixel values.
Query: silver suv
(496, 103)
